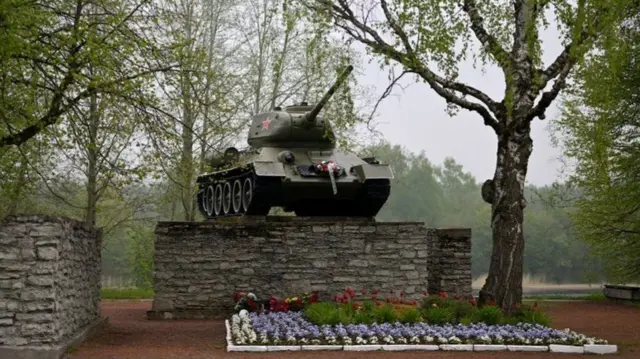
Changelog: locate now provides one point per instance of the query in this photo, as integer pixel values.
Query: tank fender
(368, 171)
(269, 168)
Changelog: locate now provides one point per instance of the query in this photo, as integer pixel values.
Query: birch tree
(196, 113)
(424, 38)
(288, 59)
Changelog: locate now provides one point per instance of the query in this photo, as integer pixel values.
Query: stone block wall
(199, 265)
(49, 281)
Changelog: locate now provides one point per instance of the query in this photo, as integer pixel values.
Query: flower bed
(282, 329)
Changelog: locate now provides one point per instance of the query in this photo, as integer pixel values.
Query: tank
(292, 162)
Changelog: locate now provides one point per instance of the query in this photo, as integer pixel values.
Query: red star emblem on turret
(265, 124)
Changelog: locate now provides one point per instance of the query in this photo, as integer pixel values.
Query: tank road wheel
(247, 193)
(226, 198)
(237, 196)
(203, 201)
(217, 204)
(209, 199)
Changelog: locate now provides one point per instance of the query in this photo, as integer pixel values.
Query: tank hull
(358, 189)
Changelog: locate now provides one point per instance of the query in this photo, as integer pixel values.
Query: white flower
(414, 340)
(373, 340)
(347, 340)
(428, 339)
(454, 340)
(388, 339)
(243, 314)
(360, 340)
(315, 341)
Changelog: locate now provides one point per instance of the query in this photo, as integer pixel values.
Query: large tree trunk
(506, 195)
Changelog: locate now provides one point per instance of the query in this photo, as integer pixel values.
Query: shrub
(411, 316)
(462, 308)
(490, 315)
(384, 314)
(532, 314)
(438, 315)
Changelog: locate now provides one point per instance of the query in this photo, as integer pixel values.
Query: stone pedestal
(198, 265)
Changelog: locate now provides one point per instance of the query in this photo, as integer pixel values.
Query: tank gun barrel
(310, 116)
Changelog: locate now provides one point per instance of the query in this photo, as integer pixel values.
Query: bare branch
(387, 92)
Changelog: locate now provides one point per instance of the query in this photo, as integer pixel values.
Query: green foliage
(599, 132)
(438, 315)
(331, 313)
(490, 315)
(126, 293)
(410, 316)
(531, 314)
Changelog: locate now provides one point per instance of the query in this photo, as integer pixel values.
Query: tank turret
(296, 126)
(293, 163)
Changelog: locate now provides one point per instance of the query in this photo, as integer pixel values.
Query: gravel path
(131, 335)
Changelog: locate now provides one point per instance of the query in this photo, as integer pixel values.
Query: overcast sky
(416, 119)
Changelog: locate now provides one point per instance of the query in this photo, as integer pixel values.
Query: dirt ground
(130, 335)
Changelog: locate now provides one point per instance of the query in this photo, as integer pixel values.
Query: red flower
(425, 293)
(472, 301)
(313, 298)
(535, 305)
(355, 306)
(443, 294)
(375, 291)
(388, 300)
(238, 295)
(492, 302)
(364, 292)
(402, 293)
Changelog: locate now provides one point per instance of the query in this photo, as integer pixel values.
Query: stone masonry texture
(199, 265)
(49, 280)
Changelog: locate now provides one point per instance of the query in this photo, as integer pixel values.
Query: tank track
(240, 192)
(234, 193)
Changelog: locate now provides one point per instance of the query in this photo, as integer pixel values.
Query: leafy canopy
(600, 133)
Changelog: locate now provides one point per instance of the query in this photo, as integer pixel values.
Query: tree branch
(443, 87)
(489, 42)
(548, 97)
(558, 65)
(57, 109)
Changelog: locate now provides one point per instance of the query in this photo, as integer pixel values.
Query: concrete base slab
(54, 351)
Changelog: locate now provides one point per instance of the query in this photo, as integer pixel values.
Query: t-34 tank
(293, 163)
